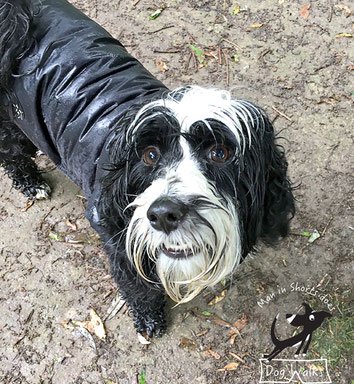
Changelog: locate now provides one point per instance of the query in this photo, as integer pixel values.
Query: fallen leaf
(218, 298)
(230, 367)
(116, 305)
(71, 225)
(344, 35)
(155, 14)
(186, 343)
(235, 58)
(211, 353)
(233, 337)
(143, 340)
(314, 236)
(142, 377)
(305, 11)
(256, 25)
(237, 326)
(203, 333)
(316, 368)
(95, 325)
(55, 236)
(344, 8)
(305, 233)
(161, 65)
(84, 332)
(199, 53)
(236, 10)
(241, 323)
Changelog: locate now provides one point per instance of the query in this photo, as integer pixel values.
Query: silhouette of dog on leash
(311, 320)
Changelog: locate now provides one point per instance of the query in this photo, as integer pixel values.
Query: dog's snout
(166, 215)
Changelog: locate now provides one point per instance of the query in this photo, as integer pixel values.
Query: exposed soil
(294, 60)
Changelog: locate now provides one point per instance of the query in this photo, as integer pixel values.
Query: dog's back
(73, 82)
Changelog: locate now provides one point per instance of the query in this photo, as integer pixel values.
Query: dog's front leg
(146, 301)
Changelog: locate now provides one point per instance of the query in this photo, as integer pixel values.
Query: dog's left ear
(279, 207)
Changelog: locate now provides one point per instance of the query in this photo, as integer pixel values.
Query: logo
(274, 368)
(287, 371)
(310, 321)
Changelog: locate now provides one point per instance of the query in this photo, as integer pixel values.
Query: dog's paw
(150, 325)
(37, 192)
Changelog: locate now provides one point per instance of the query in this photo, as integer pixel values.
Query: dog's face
(189, 180)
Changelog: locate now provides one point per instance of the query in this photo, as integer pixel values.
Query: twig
(237, 357)
(327, 225)
(161, 29)
(232, 43)
(220, 55)
(227, 70)
(161, 51)
(282, 114)
(188, 61)
(136, 2)
(330, 15)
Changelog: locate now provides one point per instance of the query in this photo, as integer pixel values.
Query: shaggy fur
(185, 184)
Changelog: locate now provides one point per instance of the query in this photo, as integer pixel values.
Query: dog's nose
(165, 214)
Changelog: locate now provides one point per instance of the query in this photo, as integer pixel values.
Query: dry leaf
(233, 336)
(186, 343)
(211, 353)
(116, 305)
(161, 65)
(347, 11)
(316, 368)
(305, 11)
(256, 25)
(218, 321)
(143, 340)
(203, 333)
(95, 325)
(236, 328)
(218, 298)
(344, 35)
(241, 323)
(230, 367)
(87, 335)
(236, 10)
(71, 225)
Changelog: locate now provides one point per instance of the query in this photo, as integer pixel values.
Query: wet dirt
(296, 60)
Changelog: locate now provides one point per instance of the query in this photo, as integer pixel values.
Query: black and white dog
(180, 185)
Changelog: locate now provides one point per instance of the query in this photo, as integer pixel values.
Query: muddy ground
(296, 60)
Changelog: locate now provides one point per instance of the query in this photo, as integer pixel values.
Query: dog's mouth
(178, 252)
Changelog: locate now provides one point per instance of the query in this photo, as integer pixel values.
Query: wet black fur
(256, 181)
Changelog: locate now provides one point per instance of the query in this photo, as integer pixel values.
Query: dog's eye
(219, 154)
(311, 317)
(151, 155)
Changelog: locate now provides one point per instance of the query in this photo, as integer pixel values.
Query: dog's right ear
(279, 205)
(308, 309)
